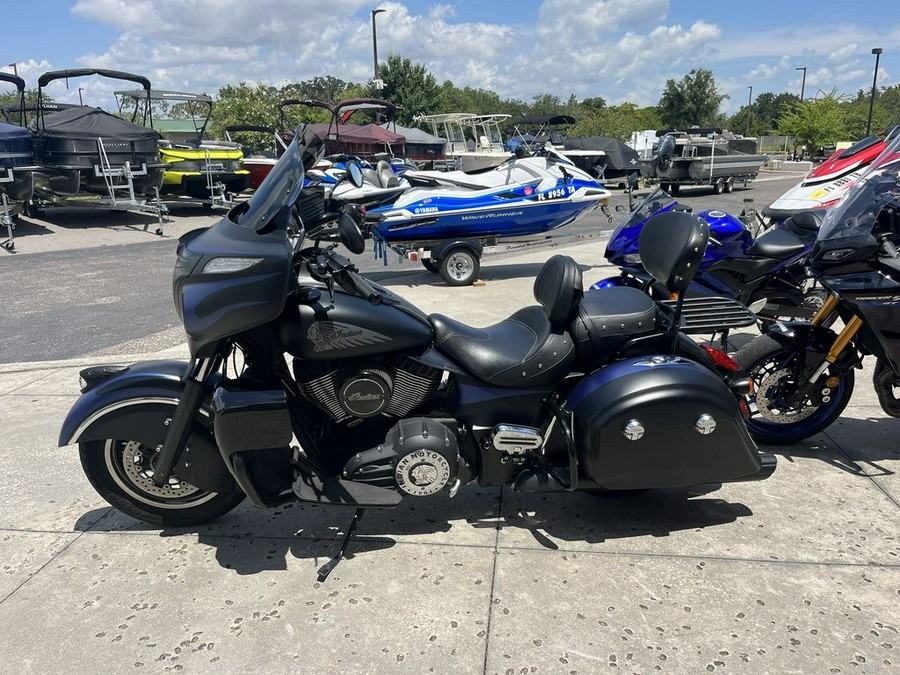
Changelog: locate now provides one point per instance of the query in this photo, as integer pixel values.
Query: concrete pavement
(796, 574)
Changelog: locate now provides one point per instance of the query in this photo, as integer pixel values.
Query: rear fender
(137, 404)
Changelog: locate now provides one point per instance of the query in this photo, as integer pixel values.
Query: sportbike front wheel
(776, 418)
(121, 471)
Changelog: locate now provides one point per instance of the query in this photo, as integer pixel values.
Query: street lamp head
(377, 11)
(803, 68)
(877, 50)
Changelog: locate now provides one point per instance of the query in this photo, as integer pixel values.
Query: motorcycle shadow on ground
(249, 540)
(860, 446)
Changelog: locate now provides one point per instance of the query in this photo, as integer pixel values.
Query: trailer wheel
(729, 184)
(430, 265)
(719, 187)
(676, 188)
(459, 266)
(665, 187)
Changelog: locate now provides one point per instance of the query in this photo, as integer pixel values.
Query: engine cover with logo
(419, 457)
(659, 421)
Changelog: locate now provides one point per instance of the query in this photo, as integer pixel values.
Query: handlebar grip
(364, 289)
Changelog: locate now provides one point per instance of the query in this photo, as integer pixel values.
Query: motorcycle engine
(366, 388)
(419, 457)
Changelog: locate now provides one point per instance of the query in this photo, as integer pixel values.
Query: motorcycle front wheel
(121, 471)
(774, 420)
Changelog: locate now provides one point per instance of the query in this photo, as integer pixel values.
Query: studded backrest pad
(558, 288)
(671, 246)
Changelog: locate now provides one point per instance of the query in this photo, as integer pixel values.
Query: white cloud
(618, 49)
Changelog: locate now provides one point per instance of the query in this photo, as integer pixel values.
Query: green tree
(764, 113)
(695, 100)
(815, 122)
(10, 99)
(245, 104)
(410, 87)
(619, 121)
(546, 104)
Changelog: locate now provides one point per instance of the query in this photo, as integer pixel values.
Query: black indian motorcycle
(804, 373)
(595, 391)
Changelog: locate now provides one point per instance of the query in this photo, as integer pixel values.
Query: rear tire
(431, 265)
(459, 266)
(676, 188)
(719, 187)
(121, 473)
(768, 363)
(729, 185)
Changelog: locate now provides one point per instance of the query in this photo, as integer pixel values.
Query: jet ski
(381, 183)
(524, 196)
(827, 183)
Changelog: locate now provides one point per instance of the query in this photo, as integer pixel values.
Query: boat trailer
(119, 181)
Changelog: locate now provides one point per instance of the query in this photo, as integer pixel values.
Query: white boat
(473, 141)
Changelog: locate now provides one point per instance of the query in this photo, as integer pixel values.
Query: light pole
(80, 100)
(749, 108)
(375, 44)
(803, 84)
(877, 52)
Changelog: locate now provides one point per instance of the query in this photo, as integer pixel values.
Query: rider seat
(529, 349)
(777, 243)
(804, 224)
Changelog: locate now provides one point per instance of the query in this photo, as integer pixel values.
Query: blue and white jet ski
(524, 196)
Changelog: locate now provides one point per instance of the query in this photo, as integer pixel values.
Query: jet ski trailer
(87, 157)
(16, 163)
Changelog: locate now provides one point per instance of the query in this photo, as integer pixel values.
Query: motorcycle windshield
(655, 201)
(849, 224)
(283, 184)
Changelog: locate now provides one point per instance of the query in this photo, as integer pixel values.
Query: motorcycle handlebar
(364, 289)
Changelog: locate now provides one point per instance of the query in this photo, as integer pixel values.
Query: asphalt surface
(72, 289)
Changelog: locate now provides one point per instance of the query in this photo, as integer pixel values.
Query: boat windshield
(283, 184)
(851, 220)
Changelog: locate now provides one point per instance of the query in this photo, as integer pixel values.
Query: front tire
(121, 472)
(773, 420)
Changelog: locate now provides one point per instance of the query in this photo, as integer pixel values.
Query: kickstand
(328, 567)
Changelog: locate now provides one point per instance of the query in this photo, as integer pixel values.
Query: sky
(622, 50)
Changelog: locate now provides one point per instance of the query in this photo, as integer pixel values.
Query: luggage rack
(710, 314)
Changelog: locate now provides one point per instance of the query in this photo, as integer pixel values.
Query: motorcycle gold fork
(840, 342)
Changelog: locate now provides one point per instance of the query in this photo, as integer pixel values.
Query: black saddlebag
(607, 319)
(253, 432)
(660, 421)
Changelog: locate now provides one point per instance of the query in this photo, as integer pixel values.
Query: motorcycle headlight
(632, 258)
(229, 265)
(837, 254)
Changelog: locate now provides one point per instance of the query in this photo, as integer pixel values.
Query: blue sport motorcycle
(768, 273)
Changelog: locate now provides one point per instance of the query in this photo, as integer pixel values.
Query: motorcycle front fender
(137, 404)
(802, 336)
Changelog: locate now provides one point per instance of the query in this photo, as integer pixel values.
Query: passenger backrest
(559, 289)
(671, 246)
